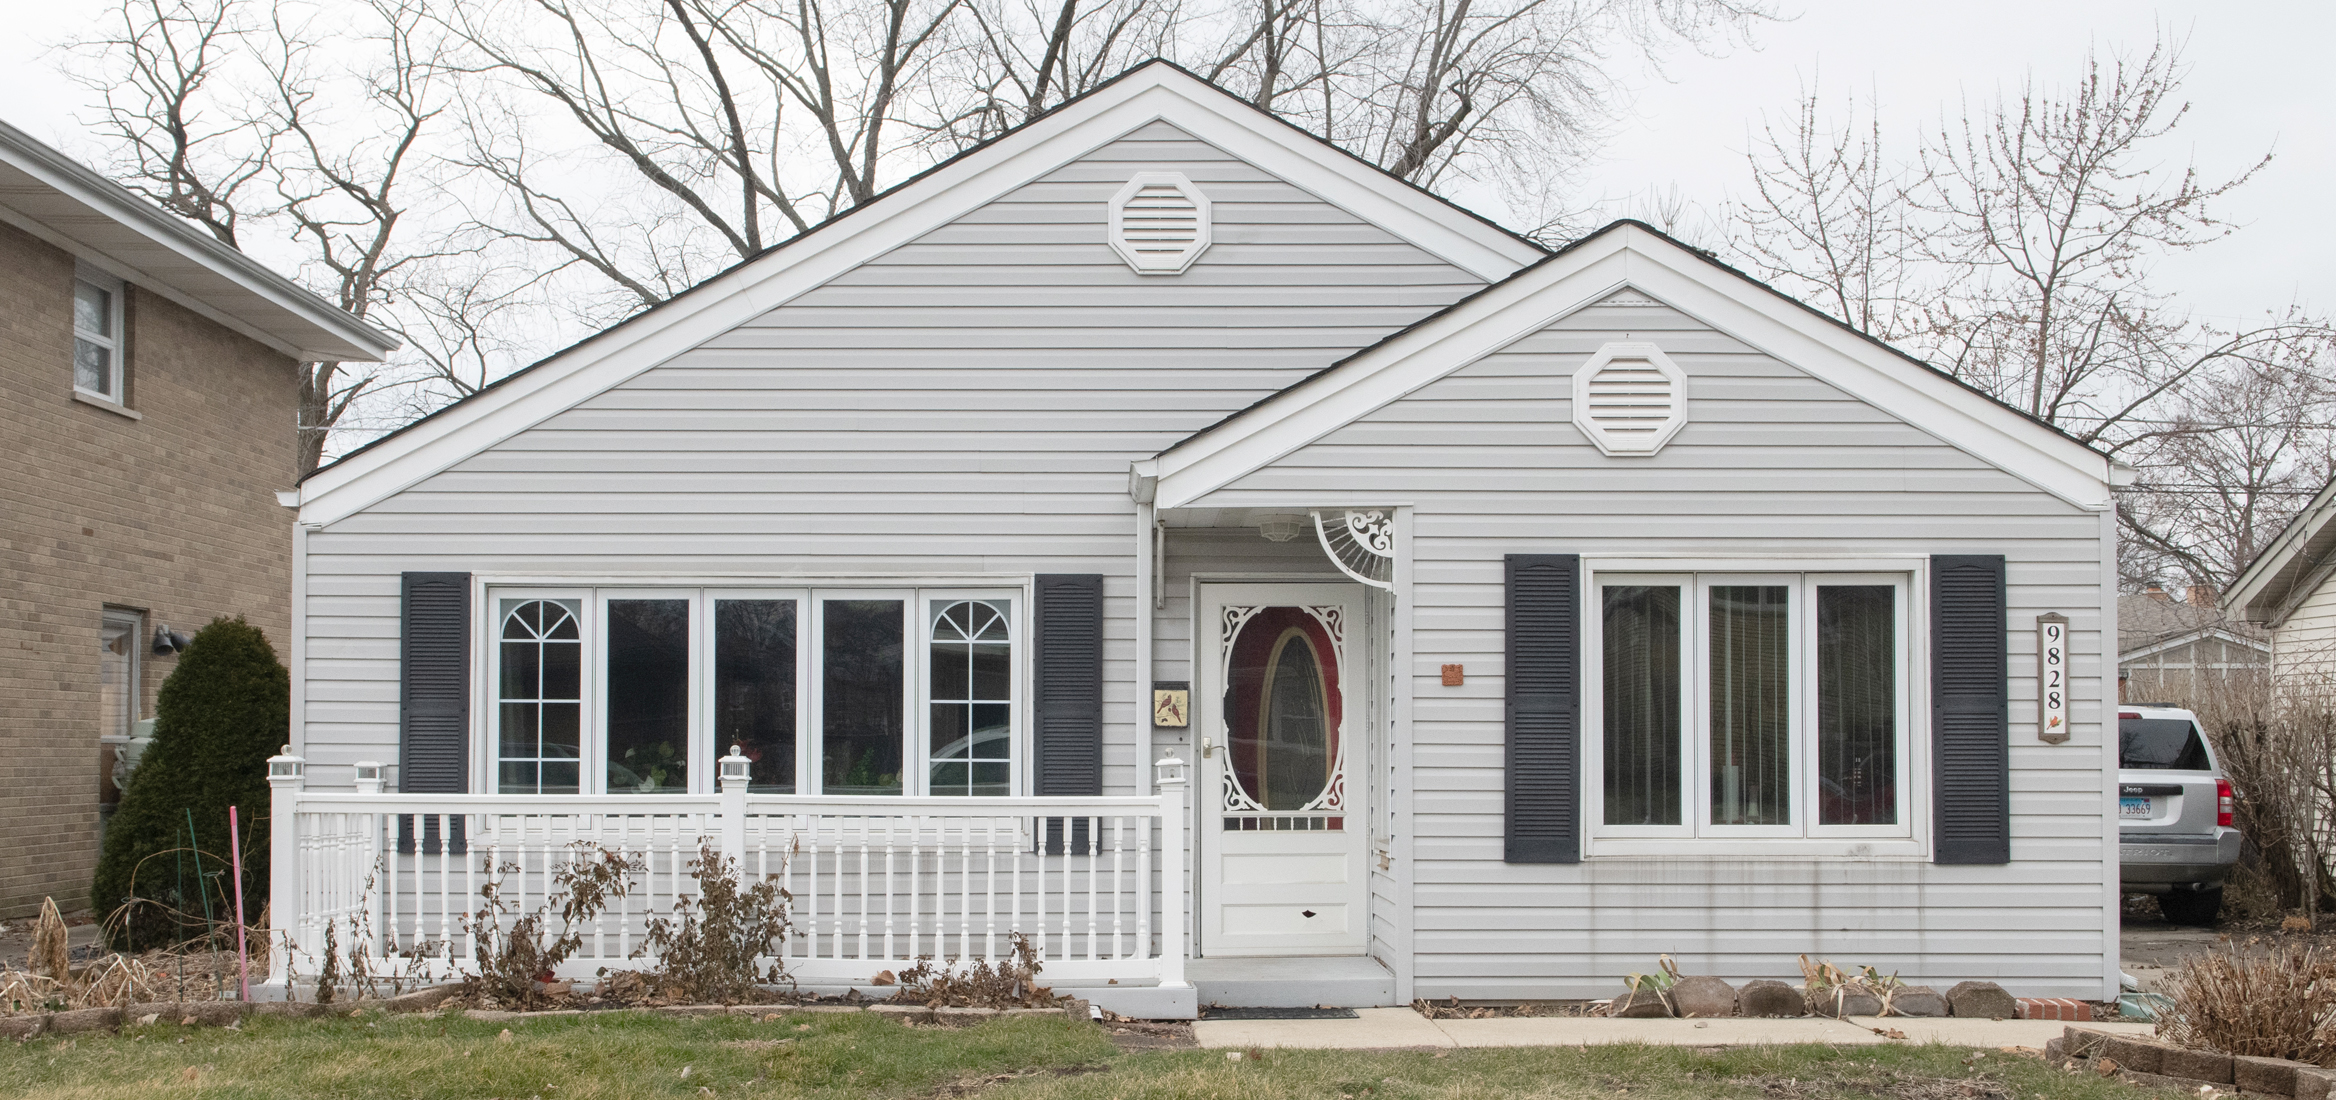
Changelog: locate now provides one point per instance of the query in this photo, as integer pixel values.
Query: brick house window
(97, 335)
(117, 703)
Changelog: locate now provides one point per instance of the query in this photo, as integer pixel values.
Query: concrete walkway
(1400, 1028)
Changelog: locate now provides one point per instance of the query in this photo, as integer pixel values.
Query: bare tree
(339, 186)
(1831, 223)
(2050, 206)
(2233, 458)
(586, 161)
(731, 113)
(2014, 250)
(309, 123)
(181, 134)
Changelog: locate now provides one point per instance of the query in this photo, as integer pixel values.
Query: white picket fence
(403, 881)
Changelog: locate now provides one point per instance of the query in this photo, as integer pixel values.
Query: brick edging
(2153, 1064)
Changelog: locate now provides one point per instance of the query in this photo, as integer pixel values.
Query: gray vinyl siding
(967, 403)
(2304, 644)
(1772, 463)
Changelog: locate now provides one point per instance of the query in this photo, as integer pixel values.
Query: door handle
(1208, 747)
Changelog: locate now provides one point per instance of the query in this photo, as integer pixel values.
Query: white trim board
(1622, 255)
(2188, 637)
(2293, 541)
(1154, 92)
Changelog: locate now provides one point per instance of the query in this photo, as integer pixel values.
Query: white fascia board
(2292, 540)
(1593, 270)
(1496, 317)
(2201, 634)
(144, 227)
(1157, 93)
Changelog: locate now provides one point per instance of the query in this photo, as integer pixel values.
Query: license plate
(2131, 806)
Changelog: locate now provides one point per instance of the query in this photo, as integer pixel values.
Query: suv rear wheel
(2197, 908)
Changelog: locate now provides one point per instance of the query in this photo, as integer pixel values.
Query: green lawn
(633, 1055)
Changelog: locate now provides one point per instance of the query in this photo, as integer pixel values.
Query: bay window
(825, 691)
(1749, 707)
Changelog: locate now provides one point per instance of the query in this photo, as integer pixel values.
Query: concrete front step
(1346, 981)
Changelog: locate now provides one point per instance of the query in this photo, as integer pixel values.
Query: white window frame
(114, 290)
(918, 602)
(1908, 839)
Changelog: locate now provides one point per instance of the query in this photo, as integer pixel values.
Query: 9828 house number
(2052, 677)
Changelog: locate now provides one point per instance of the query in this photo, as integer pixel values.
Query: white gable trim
(2201, 634)
(2251, 596)
(1154, 92)
(1627, 255)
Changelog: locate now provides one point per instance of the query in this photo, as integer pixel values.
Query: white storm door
(1279, 824)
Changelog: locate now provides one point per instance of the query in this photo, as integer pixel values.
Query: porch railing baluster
(1118, 884)
(977, 873)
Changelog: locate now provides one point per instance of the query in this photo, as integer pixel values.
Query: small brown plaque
(1171, 705)
(1455, 676)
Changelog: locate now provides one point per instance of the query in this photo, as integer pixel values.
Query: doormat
(1214, 1012)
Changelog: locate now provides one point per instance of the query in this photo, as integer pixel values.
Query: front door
(1280, 825)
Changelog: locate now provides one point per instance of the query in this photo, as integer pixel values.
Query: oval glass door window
(1283, 709)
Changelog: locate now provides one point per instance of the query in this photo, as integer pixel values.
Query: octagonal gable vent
(1630, 399)
(1159, 223)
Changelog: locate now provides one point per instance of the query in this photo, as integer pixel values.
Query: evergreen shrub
(217, 719)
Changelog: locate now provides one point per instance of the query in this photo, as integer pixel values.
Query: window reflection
(1283, 711)
(648, 696)
(861, 682)
(754, 688)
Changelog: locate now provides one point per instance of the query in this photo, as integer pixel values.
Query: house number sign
(2052, 677)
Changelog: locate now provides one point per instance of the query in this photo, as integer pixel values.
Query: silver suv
(2174, 832)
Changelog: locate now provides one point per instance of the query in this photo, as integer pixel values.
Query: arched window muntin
(970, 698)
(539, 696)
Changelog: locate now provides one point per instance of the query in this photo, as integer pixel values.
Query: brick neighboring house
(149, 391)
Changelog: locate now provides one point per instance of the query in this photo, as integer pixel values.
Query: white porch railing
(874, 884)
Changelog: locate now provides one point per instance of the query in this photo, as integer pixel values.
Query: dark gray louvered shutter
(1544, 667)
(433, 720)
(1970, 709)
(1067, 654)
(434, 693)
(1066, 631)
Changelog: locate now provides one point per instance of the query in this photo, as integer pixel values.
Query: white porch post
(1173, 886)
(734, 772)
(285, 772)
(379, 873)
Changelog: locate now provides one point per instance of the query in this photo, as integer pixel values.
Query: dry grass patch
(2280, 1004)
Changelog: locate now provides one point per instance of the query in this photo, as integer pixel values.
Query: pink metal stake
(242, 954)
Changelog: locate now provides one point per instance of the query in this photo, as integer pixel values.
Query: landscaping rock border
(2152, 1064)
(1711, 998)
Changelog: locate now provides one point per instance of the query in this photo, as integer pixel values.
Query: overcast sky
(2259, 81)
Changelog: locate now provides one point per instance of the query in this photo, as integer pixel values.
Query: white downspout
(1143, 479)
(1145, 568)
